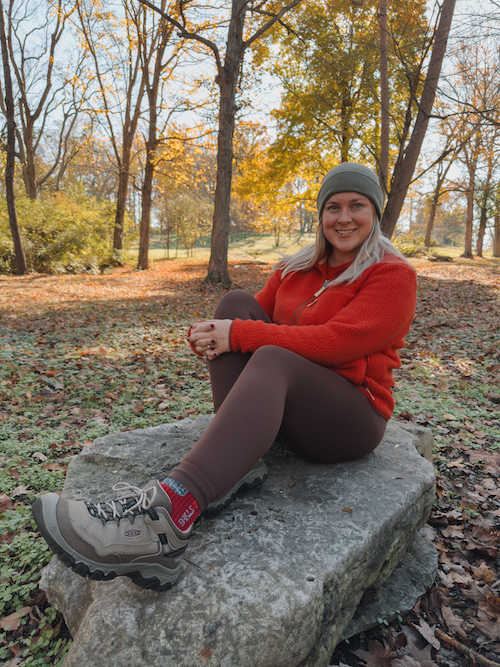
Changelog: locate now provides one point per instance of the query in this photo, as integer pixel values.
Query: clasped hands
(211, 338)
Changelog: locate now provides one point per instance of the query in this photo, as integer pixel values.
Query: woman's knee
(272, 356)
(240, 304)
(232, 304)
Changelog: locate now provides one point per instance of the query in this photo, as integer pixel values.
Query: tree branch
(275, 18)
(186, 34)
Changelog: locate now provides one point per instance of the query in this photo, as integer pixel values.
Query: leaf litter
(449, 382)
(83, 356)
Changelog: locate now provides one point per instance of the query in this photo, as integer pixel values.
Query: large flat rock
(273, 581)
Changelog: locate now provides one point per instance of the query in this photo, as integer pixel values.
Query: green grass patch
(252, 247)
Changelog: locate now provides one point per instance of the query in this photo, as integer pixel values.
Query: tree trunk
(147, 189)
(163, 35)
(121, 202)
(496, 225)
(227, 79)
(345, 125)
(169, 227)
(28, 168)
(481, 231)
(217, 266)
(407, 159)
(469, 221)
(432, 216)
(483, 214)
(484, 205)
(383, 161)
(441, 177)
(11, 150)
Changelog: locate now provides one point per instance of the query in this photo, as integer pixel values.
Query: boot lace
(133, 502)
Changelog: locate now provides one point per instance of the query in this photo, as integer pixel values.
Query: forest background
(126, 120)
(202, 132)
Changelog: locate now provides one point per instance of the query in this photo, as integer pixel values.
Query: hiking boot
(254, 477)
(132, 536)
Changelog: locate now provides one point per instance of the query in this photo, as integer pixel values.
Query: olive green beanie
(351, 177)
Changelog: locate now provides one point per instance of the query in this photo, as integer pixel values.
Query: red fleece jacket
(353, 329)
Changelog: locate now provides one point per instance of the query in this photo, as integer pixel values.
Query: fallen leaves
(427, 633)
(449, 381)
(80, 357)
(83, 356)
(483, 572)
(13, 621)
(5, 502)
(453, 622)
(376, 656)
(20, 491)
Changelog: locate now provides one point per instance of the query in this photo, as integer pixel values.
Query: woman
(310, 359)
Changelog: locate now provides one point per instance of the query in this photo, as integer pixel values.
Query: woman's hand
(211, 338)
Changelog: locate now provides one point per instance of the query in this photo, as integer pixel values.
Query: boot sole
(44, 514)
(218, 505)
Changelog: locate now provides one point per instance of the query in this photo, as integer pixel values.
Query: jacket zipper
(312, 300)
(305, 304)
(364, 386)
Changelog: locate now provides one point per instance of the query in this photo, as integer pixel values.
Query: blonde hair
(371, 251)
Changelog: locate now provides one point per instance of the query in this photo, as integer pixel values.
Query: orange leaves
(483, 573)
(5, 502)
(54, 466)
(179, 279)
(13, 621)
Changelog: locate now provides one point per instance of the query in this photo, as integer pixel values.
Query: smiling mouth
(345, 232)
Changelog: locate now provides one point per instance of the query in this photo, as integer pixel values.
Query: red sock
(185, 509)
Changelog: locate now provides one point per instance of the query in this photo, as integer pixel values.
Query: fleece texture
(354, 329)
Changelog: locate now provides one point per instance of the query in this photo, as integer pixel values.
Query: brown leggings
(318, 414)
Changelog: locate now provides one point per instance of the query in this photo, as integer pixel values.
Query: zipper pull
(322, 289)
(369, 392)
(364, 385)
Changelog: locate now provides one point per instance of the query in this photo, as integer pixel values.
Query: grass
(260, 247)
(254, 247)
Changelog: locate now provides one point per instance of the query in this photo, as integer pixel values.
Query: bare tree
(120, 89)
(442, 172)
(383, 160)
(409, 152)
(34, 35)
(491, 156)
(496, 223)
(470, 157)
(228, 70)
(157, 63)
(11, 149)
(457, 133)
(471, 98)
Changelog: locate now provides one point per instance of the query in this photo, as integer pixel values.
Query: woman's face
(347, 219)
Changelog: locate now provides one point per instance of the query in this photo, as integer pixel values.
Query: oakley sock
(185, 509)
